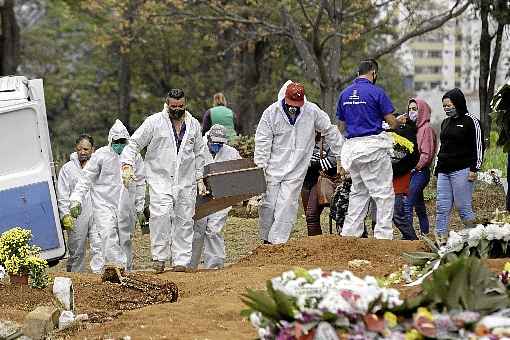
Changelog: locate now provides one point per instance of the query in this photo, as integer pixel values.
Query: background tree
(102, 60)
(496, 12)
(330, 36)
(9, 38)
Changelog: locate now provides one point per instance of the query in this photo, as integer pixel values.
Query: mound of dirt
(335, 252)
(101, 301)
(209, 302)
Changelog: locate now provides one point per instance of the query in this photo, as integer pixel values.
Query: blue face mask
(117, 148)
(215, 147)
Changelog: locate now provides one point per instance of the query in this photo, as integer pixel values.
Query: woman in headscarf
(419, 112)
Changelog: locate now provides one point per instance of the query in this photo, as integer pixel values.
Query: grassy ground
(494, 157)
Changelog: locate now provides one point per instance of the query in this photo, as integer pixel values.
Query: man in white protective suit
(207, 231)
(284, 143)
(83, 227)
(361, 110)
(174, 165)
(102, 177)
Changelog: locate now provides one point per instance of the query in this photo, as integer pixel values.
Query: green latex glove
(68, 222)
(141, 218)
(75, 209)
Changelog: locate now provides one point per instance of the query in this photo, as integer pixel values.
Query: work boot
(158, 266)
(179, 269)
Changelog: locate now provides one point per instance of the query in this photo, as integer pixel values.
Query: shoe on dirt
(158, 266)
(179, 269)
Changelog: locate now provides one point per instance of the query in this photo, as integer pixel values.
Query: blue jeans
(415, 200)
(400, 218)
(453, 188)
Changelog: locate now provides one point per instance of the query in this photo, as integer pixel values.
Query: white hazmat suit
(367, 160)
(132, 201)
(284, 151)
(103, 177)
(207, 231)
(84, 226)
(172, 178)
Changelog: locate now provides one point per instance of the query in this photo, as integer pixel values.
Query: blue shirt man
(362, 107)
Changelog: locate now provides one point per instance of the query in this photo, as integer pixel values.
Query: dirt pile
(102, 301)
(209, 302)
(335, 252)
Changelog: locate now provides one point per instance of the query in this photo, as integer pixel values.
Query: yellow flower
(391, 319)
(301, 272)
(507, 267)
(422, 311)
(413, 334)
(402, 141)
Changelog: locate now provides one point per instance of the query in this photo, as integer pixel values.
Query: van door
(27, 194)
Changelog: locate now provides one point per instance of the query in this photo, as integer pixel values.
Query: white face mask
(413, 115)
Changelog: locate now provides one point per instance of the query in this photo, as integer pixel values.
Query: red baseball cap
(295, 94)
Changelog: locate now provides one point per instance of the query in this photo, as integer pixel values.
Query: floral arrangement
(482, 241)
(407, 274)
(296, 302)
(315, 304)
(491, 176)
(20, 258)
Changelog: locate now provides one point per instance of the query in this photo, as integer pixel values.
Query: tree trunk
(125, 65)
(9, 39)
(485, 56)
(495, 61)
(492, 77)
(125, 89)
(251, 58)
(329, 97)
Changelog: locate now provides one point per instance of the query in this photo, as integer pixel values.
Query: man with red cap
(284, 143)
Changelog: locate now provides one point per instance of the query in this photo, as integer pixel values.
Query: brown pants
(313, 213)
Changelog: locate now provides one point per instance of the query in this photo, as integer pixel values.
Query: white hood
(117, 131)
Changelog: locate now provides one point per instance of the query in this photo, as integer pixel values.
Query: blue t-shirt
(362, 106)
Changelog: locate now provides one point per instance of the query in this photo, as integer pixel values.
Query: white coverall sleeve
(88, 177)
(330, 132)
(139, 140)
(199, 150)
(140, 184)
(263, 142)
(63, 192)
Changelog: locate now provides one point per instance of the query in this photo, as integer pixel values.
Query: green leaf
(245, 313)
(262, 302)
(419, 258)
(462, 283)
(284, 304)
(431, 244)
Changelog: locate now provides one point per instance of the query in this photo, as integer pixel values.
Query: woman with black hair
(460, 158)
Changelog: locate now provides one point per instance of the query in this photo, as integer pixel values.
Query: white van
(27, 173)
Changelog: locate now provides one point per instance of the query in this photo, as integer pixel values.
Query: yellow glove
(128, 175)
(75, 209)
(68, 222)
